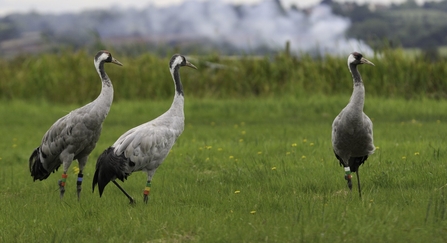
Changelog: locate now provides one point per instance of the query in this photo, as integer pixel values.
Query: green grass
(275, 152)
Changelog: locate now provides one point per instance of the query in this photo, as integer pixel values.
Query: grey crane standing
(352, 130)
(74, 136)
(143, 148)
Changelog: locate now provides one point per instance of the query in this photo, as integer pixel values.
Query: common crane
(352, 130)
(74, 136)
(143, 148)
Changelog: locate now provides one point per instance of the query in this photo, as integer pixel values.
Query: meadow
(253, 168)
(243, 171)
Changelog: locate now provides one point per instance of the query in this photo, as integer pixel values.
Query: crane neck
(105, 98)
(357, 78)
(358, 94)
(177, 105)
(178, 102)
(178, 83)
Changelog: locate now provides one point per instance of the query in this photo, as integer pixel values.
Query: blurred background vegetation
(49, 76)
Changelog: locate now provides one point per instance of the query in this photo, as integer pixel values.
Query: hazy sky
(58, 6)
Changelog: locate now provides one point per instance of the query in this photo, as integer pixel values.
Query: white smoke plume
(244, 28)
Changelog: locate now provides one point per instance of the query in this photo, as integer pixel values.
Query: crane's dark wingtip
(108, 167)
(355, 162)
(38, 172)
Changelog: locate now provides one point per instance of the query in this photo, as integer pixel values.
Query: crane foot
(79, 185)
(61, 184)
(132, 201)
(78, 192)
(61, 188)
(350, 184)
(348, 177)
(146, 192)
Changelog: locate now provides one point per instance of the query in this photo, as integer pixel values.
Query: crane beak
(366, 61)
(190, 65)
(116, 62)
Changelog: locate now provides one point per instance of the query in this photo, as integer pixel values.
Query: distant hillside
(215, 26)
(407, 25)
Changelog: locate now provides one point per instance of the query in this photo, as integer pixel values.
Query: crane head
(357, 58)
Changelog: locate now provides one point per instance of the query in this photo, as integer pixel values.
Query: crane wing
(72, 133)
(352, 138)
(146, 145)
(368, 128)
(335, 128)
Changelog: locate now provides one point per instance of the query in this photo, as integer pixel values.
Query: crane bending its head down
(144, 148)
(352, 130)
(74, 136)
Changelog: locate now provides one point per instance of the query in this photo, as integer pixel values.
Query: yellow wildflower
(76, 169)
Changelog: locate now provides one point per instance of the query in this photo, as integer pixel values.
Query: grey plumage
(74, 136)
(352, 130)
(144, 148)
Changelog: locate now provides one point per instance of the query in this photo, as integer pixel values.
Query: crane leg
(82, 162)
(61, 184)
(79, 184)
(146, 192)
(358, 183)
(348, 177)
(132, 201)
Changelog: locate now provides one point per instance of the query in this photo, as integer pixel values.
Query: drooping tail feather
(355, 162)
(38, 172)
(109, 167)
(339, 159)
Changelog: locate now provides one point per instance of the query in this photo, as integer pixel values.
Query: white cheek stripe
(351, 59)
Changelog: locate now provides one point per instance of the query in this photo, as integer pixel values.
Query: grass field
(253, 170)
